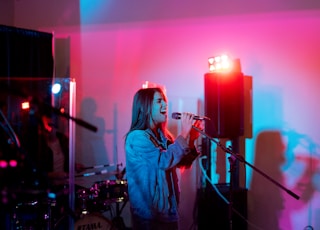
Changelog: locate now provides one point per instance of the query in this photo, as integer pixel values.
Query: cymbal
(63, 176)
(111, 173)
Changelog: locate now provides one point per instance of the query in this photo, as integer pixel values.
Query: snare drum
(111, 190)
(93, 221)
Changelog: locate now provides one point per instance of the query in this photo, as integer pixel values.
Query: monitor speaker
(215, 213)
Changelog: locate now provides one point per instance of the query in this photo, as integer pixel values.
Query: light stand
(233, 159)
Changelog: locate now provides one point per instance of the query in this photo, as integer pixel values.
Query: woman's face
(159, 109)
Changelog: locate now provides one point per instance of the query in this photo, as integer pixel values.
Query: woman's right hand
(186, 124)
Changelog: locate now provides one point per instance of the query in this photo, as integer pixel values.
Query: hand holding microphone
(186, 131)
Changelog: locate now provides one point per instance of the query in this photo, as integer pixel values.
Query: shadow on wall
(265, 197)
(302, 157)
(90, 147)
(302, 170)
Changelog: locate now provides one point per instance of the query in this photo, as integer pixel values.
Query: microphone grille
(176, 115)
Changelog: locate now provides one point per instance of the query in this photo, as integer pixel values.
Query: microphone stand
(75, 119)
(232, 159)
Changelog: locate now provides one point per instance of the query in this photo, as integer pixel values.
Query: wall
(7, 12)
(115, 48)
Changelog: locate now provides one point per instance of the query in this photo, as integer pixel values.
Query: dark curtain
(26, 73)
(25, 53)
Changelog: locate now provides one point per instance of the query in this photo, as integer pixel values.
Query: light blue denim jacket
(153, 188)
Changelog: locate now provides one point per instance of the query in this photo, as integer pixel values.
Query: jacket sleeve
(140, 148)
(188, 159)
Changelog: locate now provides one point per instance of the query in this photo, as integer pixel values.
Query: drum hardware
(84, 197)
(118, 220)
(48, 216)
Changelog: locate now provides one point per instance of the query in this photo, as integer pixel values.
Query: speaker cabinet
(213, 211)
(224, 104)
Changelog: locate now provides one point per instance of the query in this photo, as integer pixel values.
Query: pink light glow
(13, 163)
(3, 164)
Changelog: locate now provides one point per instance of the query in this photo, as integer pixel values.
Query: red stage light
(25, 105)
(221, 63)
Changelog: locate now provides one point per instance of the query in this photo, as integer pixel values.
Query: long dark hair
(142, 110)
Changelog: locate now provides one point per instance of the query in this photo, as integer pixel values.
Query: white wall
(278, 45)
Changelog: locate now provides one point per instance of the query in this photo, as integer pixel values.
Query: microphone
(177, 116)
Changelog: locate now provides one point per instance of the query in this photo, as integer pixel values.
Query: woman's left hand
(194, 134)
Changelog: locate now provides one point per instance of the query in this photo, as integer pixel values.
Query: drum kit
(98, 199)
(29, 198)
(48, 209)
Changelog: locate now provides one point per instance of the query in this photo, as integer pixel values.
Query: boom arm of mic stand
(76, 120)
(241, 159)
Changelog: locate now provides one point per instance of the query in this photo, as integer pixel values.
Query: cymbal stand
(48, 216)
(118, 220)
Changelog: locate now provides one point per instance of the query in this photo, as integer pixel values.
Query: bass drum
(93, 221)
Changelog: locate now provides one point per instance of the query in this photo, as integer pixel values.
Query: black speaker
(224, 104)
(213, 211)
